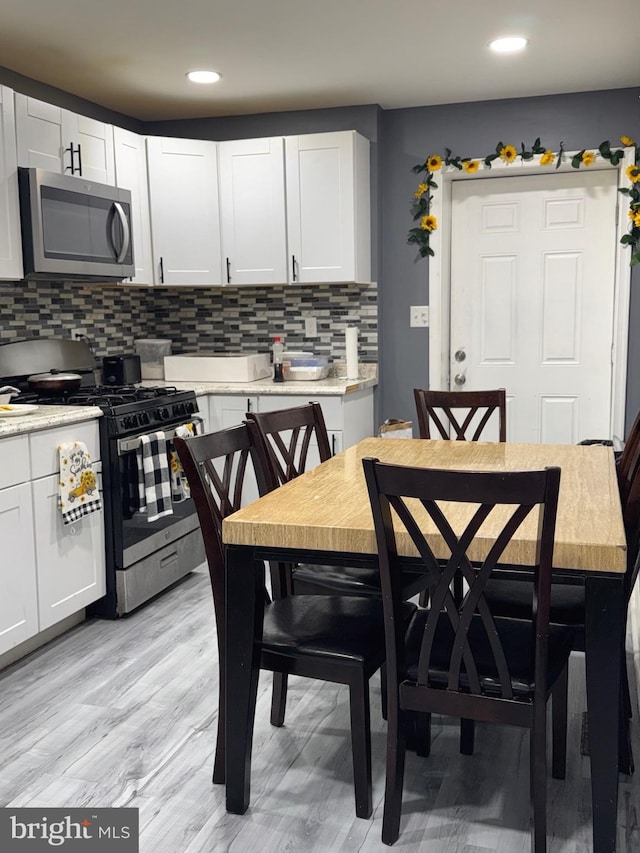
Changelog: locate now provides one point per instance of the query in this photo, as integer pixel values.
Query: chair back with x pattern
(286, 437)
(476, 411)
(389, 487)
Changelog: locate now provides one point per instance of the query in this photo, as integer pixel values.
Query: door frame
(440, 274)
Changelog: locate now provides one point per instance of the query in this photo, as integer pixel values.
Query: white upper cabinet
(185, 217)
(252, 211)
(58, 140)
(328, 207)
(10, 245)
(131, 174)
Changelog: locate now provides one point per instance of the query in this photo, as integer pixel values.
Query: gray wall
(407, 137)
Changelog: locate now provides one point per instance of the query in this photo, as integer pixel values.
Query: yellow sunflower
(429, 222)
(634, 216)
(633, 173)
(508, 153)
(588, 158)
(434, 162)
(471, 166)
(626, 140)
(422, 188)
(547, 158)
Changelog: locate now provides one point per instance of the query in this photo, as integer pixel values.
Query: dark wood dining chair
(512, 598)
(284, 438)
(458, 658)
(332, 638)
(460, 415)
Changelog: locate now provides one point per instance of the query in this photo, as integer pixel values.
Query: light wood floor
(124, 713)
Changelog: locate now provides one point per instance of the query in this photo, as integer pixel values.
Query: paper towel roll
(351, 340)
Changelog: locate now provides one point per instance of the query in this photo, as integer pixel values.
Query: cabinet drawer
(14, 461)
(44, 446)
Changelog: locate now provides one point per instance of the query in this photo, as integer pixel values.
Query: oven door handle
(126, 445)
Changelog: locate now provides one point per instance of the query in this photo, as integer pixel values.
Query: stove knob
(144, 418)
(191, 406)
(164, 413)
(179, 409)
(126, 422)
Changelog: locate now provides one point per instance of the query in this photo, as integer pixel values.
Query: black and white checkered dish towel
(78, 490)
(154, 484)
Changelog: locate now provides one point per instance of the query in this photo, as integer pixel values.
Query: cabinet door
(19, 599)
(185, 219)
(131, 174)
(328, 207)
(252, 211)
(10, 245)
(70, 558)
(40, 137)
(93, 146)
(48, 138)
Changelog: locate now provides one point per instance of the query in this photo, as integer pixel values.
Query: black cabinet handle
(293, 268)
(333, 445)
(79, 159)
(71, 166)
(228, 271)
(248, 404)
(161, 270)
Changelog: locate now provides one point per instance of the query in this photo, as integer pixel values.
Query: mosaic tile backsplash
(222, 319)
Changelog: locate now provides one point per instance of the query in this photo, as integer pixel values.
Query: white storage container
(217, 367)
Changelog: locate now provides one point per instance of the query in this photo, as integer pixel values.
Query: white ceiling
(132, 55)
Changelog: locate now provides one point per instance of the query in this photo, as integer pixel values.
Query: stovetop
(127, 408)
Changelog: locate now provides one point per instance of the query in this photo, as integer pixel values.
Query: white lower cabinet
(70, 558)
(19, 601)
(348, 418)
(49, 570)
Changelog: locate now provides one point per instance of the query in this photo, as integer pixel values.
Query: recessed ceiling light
(508, 45)
(203, 76)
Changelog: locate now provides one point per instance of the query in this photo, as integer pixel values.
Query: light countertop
(331, 386)
(46, 417)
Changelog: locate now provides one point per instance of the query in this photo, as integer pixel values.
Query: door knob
(460, 354)
(459, 378)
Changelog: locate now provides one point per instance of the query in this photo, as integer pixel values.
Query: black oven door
(135, 536)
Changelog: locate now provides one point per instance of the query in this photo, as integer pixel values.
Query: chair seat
(515, 599)
(518, 642)
(341, 627)
(350, 580)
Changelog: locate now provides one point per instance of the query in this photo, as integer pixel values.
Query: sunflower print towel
(79, 494)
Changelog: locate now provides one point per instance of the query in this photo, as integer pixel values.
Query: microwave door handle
(126, 238)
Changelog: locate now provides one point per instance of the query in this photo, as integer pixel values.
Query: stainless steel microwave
(74, 229)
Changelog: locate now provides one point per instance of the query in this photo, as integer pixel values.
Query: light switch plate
(419, 316)
(311, 327)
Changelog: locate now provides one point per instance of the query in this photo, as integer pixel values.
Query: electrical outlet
(76, 334)
(311, 327)
(419, 316)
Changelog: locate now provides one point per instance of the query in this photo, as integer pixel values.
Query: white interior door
(532, 299)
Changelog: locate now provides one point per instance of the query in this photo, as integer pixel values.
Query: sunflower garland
(422, 197)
